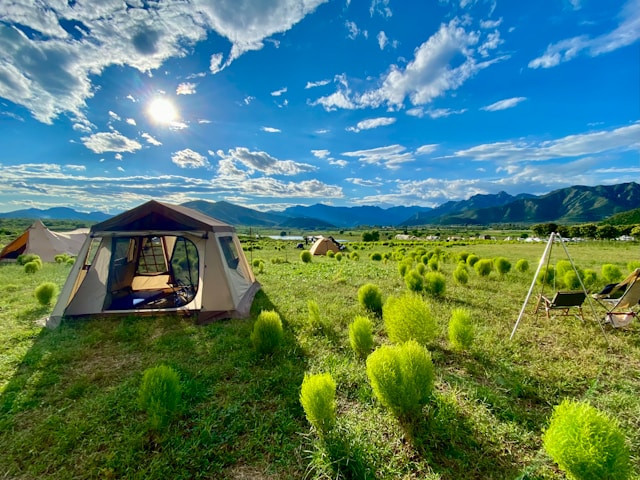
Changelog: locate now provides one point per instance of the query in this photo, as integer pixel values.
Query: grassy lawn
(68, 397)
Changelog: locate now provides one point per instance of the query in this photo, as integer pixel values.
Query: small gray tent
(38, 239)
(158, 258)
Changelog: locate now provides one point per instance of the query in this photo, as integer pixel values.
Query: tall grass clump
(401, 377)
(502, 265)
(460, 275)
(522, 265)
(586, 443)
(32, 267)
(45, 292)
(461, 329)
(421, 268)
(409, 317)
(318, 399)
(483, 267)
(361, 336)
(316, 321)
(472, 259)
(159, 395)
(267, 332)
(370, 297)
(611, 273)
(435, 283)
(414, 281)
(306, 256)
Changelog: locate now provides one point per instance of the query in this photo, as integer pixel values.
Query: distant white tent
(39, 240)
(159, 258)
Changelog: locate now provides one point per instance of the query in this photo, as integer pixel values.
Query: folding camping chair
(620, 310)
(563, 302)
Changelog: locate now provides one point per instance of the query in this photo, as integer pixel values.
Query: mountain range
(577, 204)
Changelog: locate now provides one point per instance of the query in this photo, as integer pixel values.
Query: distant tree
(563, 230)
(544, 229)
(588, 230)
(574, 231)
(367, 237)
(606, 232)
(283, 234)
(635, 231)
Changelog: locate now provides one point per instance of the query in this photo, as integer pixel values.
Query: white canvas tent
(156, 258)
(38, 239)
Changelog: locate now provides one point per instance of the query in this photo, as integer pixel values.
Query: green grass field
(68, 397)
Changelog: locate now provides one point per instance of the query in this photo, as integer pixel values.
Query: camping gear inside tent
(39, 240)
(323, 245)
(156, 258)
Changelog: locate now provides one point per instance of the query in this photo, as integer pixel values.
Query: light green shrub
(409, 317)
(267, 332)
(316, 321)
(483, 267)
(305, 256)
(562, 267)
(570, 280)
(61, 258)
(318, 399)
(354, 256)
(589, 277)
(361, 336)
(632, 265)
(403, 267)
(421, 268)
(462, 256)
(611, 273)
(370, 297)
(45, 292)
(31, 267)
(586, 443)
(424, 259)
(414, 281)
(472, 259)
(339, 256)
(435, 283)
(546, 275)
(376, 256)
(433, 264)
(29, 257)
(522, 265)
(159, 395)
(461, 276)
(71, 261)
(401, 377)
(330, 254)
(256, 262)
(502, 265)
(461, 329)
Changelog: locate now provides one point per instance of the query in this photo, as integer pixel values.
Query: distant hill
(236, 215)
(347, 217)
(56, 213)
(577, 204)
(307, 223)
(630, 217)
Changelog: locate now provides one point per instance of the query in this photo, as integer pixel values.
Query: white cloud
(434, 112)
(132, 98)
(426, 149)
(120, 169)
(114, 116)
(365, 183)
(372, 123)
(131, 121)
(391, 156)
(277, 93)
(381, 7)
(186, 88)
(626, 33)
(322, 131)
(382, 39)
(490, 23)
(354, 31)
(319, 83)
(320, 153)
(76, 168)
(504, 104)
(215, 64)
(338, 163)
(203, 121)
(248, 99)
(270, 129)
(110, 142)
(118, 156)
(188, 158)
(263, 162)
(150, 139)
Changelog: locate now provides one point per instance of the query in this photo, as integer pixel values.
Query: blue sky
(268, 104)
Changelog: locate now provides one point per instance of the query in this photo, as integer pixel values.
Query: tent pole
(533, 283)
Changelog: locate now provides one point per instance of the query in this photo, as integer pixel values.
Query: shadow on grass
(70, 408)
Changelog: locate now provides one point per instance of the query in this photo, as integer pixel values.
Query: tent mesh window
(229, 251)
(152, 257)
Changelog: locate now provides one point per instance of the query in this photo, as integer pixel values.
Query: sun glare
(162, 110)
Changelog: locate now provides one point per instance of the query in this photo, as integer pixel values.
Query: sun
(162, 111)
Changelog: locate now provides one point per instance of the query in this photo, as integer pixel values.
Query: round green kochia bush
(409, 317)
(331, 253)
(462, 256)
(632, 265)
(589, 277)
(306, 256)
(32, 267)
(45, 292)
(562, 267)
(421, 268)
(159, 395)
(414, 281)
(318, 399)
(267, 332)
(29, 257)
(424, 259)
(472, 259)
(435, 284)
(586, 443)
(370, 297)
(502, 265)
(376, 256)
(404, 267)
(460, 275)
(361, 336)
(546, 275)
(522, 265)
(611, 273)
(401, 377)
(61, 258)
(570, 280)
(483, 267)
(256, 262)
(354, 256)
(461, 329)
(339, 256)
(433, 264)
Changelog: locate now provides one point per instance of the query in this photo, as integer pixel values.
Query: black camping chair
(563, 303)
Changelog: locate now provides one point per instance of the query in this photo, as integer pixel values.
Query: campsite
(69, 396)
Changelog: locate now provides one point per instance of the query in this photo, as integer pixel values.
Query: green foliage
(502, 265)
(339, 256)
(522, 265)
(376, 256)
(318, 399)
(361, 336)
(570, 280)
(305, 256)
(435, 283)
(45, 292)
(425, 259)
(401, 377)
(611, 273)
(315, 320)
(472, 259)
(460, 275)
(589, 277)
(562, 267)
(32, 267)
(586, 443)
(433, 264)
(159, 395)
(483, 267)
(462, 256)
(403, 267)
(421, 268)
(546, 275)
(267, 332)
(256, 262)
(370, 297)
(373, 236)
(70, 261)
(331, 253)
(62, 258)
(409, 317)
(354, 256)
(31, 257)
(461, 329)
(414, 281)
(633, 264)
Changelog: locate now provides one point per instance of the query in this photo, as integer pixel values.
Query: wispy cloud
(434, 112)
(390, 156)
(131, 121)
(186, 88)
(372, 123)
(361, 182)
(188, 158)
(277, 93)
(320, 153)
(319, 83)
(150, 139)
(263, 162)
(504, 104)
(110, 142)
(270, 129)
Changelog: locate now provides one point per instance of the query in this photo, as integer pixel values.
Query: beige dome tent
(159, 258)
(323, 245)
(39, 240)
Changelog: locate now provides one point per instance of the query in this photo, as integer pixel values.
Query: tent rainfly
(38, 239)
(323, 245)
(159, 258)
